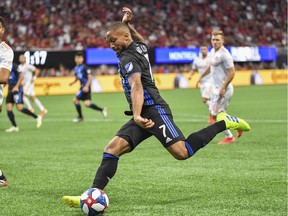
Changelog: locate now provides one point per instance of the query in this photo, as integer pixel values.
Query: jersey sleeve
(228, 60)
(87, 70)
(6, 60)
(194, 65)
(130, 64)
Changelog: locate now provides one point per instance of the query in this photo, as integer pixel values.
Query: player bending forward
(151, 114)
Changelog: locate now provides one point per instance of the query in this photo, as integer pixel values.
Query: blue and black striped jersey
(82, 72)
(135, 59)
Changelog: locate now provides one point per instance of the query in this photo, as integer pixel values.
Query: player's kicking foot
(72, 201)
(227, 140)
(39, 121)
(233, 123)
(12, 129)
(3, 180)
(105, 112)
(43, 112)
(77, 120)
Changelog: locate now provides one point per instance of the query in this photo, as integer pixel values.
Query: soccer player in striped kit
(151, 115)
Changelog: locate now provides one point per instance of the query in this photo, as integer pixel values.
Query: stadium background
(60, 158)
(49, 32)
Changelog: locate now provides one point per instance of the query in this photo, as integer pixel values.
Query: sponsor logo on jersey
(129, 67)
(168, 139)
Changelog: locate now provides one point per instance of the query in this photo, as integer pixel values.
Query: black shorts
(83, 95)
(165, 130)
(15, 97)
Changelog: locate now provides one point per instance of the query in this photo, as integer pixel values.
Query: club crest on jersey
(129, 67)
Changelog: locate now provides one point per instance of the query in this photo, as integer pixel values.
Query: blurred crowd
(77, 24)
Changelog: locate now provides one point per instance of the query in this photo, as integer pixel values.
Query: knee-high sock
(106, 171)
(79, 111)
(199, 139)
(11, 118)
(39, 104)
(28, 112)
(95, 107)
(27, 103)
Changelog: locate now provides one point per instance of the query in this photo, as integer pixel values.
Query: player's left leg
(181, 148)
(27, 103)
(43, 110)
(18, 99)
(93, 106)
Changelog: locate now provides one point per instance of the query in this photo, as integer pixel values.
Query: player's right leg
(126, 139)
(10, 114)
(11, 117)
(77, 104)
(107, 169)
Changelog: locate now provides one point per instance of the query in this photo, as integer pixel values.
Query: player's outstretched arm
(4, 75)
(136, 36)
(73, 82)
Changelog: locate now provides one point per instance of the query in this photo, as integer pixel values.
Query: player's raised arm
(136, 36)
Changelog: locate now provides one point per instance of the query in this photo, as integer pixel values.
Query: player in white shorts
(222, 71)
(30, 73)
(200, 65)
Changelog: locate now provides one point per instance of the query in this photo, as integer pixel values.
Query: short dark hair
(79, 54)
(2, 21)
(117, 25)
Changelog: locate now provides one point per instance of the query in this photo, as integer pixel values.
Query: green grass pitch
(60, 158)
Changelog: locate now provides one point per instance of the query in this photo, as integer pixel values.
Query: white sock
(228, 133)
(27, 103)
(39, 104)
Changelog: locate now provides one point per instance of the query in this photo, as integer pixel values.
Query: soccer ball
(94, 201)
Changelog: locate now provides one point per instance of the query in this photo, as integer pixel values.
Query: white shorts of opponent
(206, 90)
(218, 104)
(29, 89)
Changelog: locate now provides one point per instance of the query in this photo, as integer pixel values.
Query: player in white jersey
(30, 73)
(200, 65)
(6, 59)
(222, 71)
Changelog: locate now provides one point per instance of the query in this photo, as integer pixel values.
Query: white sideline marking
(47, 119)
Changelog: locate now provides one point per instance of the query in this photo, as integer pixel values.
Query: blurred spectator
(64, 24)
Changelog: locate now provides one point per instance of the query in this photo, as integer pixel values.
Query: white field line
(177, 120)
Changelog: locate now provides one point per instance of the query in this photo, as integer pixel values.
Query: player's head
(217, 39)
(79, 58)
(204, 50)
(22, 59)
(2, 26)
(119, 37)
